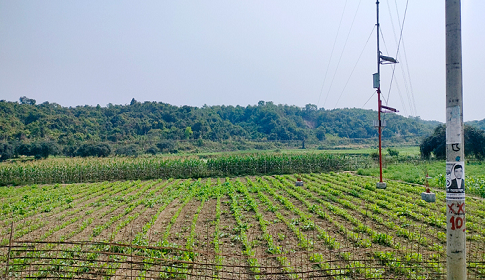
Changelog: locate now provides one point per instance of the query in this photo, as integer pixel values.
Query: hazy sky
(237, 53)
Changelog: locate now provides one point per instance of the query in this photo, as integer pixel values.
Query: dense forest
(68, 128)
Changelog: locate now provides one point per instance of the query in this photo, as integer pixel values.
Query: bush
(375, 155)
(129, 150)
(152, 150)
(38, 150)
(92, 150)
(393, 152)
(69, 151)
(167, 146)
(6, 151)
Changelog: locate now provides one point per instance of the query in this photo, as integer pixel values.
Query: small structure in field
(381, 185)
(427, 195)
(299, 182)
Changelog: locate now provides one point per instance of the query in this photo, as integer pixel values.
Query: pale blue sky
(235, 53)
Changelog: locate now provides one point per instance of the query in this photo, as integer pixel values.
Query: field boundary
(108, 260)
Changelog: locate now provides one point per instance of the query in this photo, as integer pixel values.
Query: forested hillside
(478, 124)
(28, 122)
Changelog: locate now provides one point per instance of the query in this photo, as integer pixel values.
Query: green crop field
(255, 227)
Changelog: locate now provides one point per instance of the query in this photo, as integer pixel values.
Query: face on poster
(455, 179)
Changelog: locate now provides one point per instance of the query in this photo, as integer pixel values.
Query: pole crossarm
(389, 109)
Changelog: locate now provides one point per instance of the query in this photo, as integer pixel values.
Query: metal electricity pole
(377, 84)
(379, 102)
(455, 159)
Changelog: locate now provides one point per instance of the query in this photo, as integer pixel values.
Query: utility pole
(377, 84)
(381, 184)
(455, 159)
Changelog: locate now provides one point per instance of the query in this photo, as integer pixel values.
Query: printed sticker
(455, 180)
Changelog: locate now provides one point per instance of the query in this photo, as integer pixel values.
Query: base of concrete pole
(299, 183)
(428, 197)
(381, 185)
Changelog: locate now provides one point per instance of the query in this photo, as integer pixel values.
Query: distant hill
(477, 124)
(26, 121)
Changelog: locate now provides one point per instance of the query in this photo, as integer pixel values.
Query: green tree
(26, 100)
(6, 151)
(474, 142)
(436, 144)
(393, 152)
(130, 150)
(188, 132)
(167, 146)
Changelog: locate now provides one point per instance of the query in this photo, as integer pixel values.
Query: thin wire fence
(103, 260)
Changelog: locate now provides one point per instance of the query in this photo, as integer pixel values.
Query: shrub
(92, 150)
(69, 151)
(167, 146)
(129, 150)
(392, 152)
(38, 150)
(6, 151)
(152, 150)
(375, 155)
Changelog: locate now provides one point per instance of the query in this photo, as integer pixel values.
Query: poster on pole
(453, 125)
(455, 180)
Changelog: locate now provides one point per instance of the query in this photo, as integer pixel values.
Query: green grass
(416, 171)
(411, 151)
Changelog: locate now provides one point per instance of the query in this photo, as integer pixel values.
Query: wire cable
(400, 97)
(341, 54)
(412, 103)
(369, 99)
(383, 40)
(358, 59)
(331, 53)
(398, 46)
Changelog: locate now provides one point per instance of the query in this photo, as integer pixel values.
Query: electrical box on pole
(455, 157)
(376, 82)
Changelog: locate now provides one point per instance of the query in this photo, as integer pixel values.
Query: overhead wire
(397, 51)
(369, 99)
(412, 101)
(341, 54)
(358, 59)
(383, 96)
(331, 53)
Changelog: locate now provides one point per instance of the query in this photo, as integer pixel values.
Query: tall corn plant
(114, 169)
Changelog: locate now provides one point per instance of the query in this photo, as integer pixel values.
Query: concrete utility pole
(455, 160)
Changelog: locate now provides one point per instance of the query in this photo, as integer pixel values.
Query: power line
(369, 99)
(412, 102)
(341, 54)
(398, 46)
(331, 53)
(358, 59)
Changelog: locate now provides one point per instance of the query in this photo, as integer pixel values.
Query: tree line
(435, 144)
(34, 129)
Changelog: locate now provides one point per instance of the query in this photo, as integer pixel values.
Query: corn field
(78, 170)
(335, 226)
